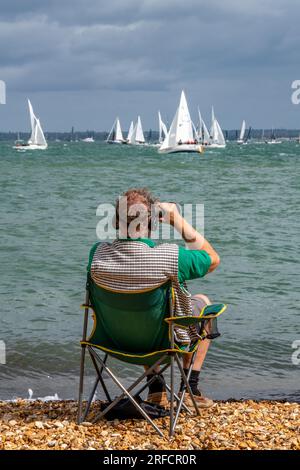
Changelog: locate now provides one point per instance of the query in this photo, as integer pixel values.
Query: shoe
(159, 398)
(202, 402)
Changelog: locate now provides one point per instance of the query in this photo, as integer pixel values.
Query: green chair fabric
(135, 328)
(131, 327)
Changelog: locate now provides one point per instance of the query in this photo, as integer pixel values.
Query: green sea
(251, 196)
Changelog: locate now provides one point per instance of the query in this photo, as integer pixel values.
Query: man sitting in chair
(133, 262)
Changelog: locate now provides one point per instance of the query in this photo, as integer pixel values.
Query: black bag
(125, 409)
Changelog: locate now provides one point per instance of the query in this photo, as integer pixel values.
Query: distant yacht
(242, 140)
(273, 139)
(162, 132)
(130, 131)
(115, 136)
(137, 135)
(37, 139)
(182, 135)
(217, 139)
(88, 139)
(248, 136)
(203, 134)
(162, 129)
(242, 133)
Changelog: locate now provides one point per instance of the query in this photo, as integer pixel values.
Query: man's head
(135, 213)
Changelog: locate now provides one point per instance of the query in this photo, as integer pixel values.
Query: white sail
(199, 125)
(185, 127)
(32, 121)
(119, 135)
(206, 136)
(243, 130)
(221, 138)
(39, 134)
(37, 137)
(203, 133)
(162, 129)
(216, 133)
(181, 130)
(171, 138)
(130, 131)
(137, 136)
(116, 134)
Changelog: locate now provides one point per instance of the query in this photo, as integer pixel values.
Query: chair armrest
(208, 312)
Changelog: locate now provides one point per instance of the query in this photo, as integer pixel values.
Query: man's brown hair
(136, 196)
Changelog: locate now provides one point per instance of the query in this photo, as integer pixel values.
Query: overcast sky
(82, 62)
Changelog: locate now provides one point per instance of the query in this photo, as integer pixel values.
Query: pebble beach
(231, 425)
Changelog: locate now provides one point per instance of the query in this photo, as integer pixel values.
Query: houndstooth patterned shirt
(133, 266)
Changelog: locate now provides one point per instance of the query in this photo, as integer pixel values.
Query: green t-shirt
(192, 264)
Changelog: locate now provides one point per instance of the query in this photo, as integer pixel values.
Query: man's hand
(168, 213)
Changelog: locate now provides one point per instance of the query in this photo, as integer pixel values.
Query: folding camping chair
(140, 332)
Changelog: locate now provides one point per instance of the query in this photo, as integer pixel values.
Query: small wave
(54, 397)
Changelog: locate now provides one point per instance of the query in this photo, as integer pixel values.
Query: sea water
(48, 224)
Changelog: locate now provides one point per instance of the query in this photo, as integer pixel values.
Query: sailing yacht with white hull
(116, 136)
(217, 139)
(182, 136)
(37, 139)
(137, 135)
(273, 139)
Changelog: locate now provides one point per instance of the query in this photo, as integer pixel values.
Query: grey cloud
(147, 45)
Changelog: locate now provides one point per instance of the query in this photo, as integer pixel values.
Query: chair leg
(187, 385)
(87, 409)
(82, 415)
(99, 373)
(135, 384)
(83, 350)
(181, 404)
(126, 393)
(171, 431)
(81, 379)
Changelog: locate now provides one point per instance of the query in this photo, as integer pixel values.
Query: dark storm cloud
(135, 44)
(151, 46)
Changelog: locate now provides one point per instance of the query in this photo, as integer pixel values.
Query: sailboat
(182, 135)
(203, 134)
(115, 136)
(137, 136)
(37, 139)
(163, 131)
(217, 139)
(130, 131)
(240, 140)
(273, 139)
(247, 136)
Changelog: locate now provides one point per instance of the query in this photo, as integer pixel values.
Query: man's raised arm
(194, 240)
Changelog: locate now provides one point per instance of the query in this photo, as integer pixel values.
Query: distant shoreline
(152, 135)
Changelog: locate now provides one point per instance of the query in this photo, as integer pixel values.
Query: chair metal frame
(100, 365)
